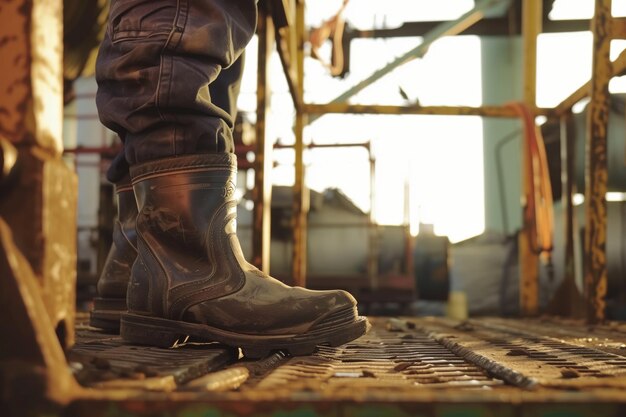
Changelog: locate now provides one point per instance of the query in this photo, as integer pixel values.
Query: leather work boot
(113, 281)
(190, 278)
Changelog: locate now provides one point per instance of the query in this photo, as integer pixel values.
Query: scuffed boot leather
(113, 281)
(191, 279)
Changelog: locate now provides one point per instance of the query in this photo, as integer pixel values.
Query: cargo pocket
(141, 19)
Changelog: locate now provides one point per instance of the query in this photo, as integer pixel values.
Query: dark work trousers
(168, 73)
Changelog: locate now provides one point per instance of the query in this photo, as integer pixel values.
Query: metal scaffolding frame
(37, 283)
(604, 27)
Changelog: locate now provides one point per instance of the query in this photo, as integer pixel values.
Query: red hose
(539, 203)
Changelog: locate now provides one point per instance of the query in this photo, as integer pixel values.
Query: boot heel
(106, 314)
(145, 334)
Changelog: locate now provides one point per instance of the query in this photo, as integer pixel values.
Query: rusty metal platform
(404, 366)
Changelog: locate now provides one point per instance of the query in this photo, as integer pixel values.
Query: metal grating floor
(386, 358)
(413, 362)
(527, 353)
(104, 361)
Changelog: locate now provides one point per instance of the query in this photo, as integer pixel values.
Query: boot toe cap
(341, 310)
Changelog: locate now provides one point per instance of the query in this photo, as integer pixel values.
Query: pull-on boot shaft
(113, 281)
(191, 278)
(185, 224)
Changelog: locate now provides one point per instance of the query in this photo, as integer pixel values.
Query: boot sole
(165, 333)
(106, 314)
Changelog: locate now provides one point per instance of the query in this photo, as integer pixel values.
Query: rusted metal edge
(498, 370)
(343, 107)
(32, 366)
(596, 166)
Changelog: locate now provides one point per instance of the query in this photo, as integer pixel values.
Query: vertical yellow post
(300, 202)
(263, 160)
(596, 171)
(532, 11)
(529, 261)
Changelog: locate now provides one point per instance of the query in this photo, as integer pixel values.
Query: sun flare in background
(428, 169)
